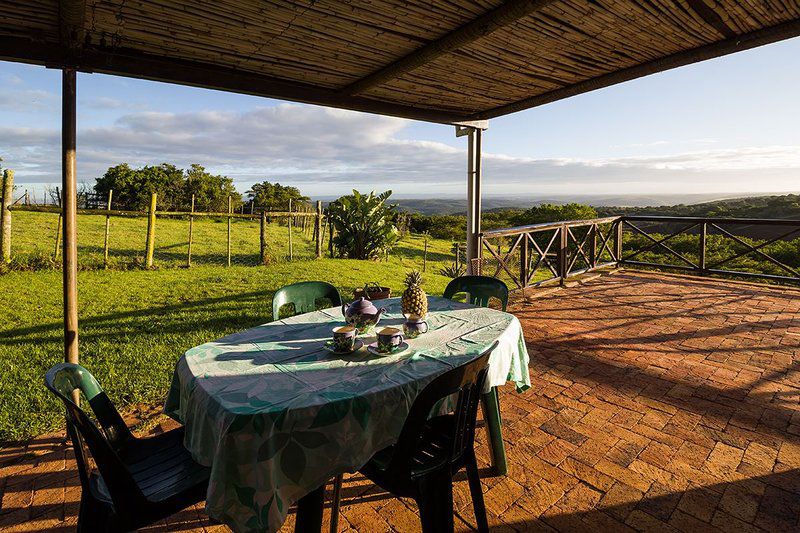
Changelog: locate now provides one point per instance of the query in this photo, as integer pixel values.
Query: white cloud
(325, 151)
(107, 103)
(26, 99)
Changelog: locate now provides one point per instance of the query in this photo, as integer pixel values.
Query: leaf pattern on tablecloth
(275, 415)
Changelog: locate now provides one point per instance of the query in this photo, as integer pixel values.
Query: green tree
(554, 213)
(210, 191)
(274, 196)
(133, 186)
(363, 224)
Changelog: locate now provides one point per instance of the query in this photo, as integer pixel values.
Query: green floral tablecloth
(275, 415)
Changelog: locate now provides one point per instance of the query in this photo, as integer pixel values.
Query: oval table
(276, 416)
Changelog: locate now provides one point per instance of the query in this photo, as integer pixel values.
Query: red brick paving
(659, 403)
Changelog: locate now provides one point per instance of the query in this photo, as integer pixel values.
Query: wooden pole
(291, 250)
(108, 228)
(318, 229)
(563, 254)
(263, 237)
(703, 237)
(230, 210)
(425, 255)
(151, 232)
(57, 249)
(5, 215)
(69, 207)
(330, 237)
(191, 235)
(618, 241)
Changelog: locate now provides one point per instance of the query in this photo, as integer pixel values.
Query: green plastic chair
(304, 296)
(135, 481)
(479, 288)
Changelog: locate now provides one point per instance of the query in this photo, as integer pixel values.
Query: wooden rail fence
(552, 252)
(309, 222)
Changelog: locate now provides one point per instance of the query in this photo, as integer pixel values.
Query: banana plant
(364, 225)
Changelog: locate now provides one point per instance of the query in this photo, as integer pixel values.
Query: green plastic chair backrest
(304, 296)
(479, 288)
(64, 378)
(104, 443)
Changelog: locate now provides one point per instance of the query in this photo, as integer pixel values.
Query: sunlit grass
(135, 324)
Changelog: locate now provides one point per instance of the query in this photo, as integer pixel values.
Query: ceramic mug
(344, 338)
(389, 339)
(414, 328)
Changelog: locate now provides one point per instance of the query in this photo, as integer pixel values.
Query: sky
(727, 126)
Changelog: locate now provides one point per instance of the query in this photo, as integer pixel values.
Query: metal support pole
(474, 177)
(69, 209)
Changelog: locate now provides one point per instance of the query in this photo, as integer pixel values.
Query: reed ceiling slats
(441, 60)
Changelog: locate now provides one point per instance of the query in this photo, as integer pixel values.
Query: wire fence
(114, 238)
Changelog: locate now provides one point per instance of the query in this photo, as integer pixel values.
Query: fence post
(291, 249)
(263, 237)
(425, 254)
(703, 236)
(330, 237)
(57, 250)
(151, 232)
(5, 215)
(230, 210)
(618, 242)
(593, 247)
(191, 235)
(523, 261)
(108, 228)
(563, 255)
(318, 228)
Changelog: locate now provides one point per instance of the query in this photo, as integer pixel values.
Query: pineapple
(414, 301)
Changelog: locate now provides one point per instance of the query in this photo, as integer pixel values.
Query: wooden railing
(555, 249)
(552, 252)
(723, 229)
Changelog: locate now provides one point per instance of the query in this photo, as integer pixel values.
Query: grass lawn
(135, 324)
(33, 239)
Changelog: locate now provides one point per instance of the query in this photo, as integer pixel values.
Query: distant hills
(673, 204)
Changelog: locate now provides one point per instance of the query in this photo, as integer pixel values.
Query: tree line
(176, 186)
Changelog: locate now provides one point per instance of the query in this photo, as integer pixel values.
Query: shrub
(363, 224)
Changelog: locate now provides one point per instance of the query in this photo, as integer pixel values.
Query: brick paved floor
(659, 403)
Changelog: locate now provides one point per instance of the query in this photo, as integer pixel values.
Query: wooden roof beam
(772, 34)
(711, 18)
(72, 17)
(135, 64)
(482, 26)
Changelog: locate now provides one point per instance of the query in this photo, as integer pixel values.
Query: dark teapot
(362, 314)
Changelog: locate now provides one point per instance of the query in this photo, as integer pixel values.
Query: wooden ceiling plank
(72, 22)
(754, 39)
(487, 23)
(711, 17)
(134, 64)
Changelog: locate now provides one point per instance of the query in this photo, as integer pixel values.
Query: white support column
(69, 210)
(474, 135)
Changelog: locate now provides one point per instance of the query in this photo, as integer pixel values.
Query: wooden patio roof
(435, 60)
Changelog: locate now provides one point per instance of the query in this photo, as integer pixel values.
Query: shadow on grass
(224, 313)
